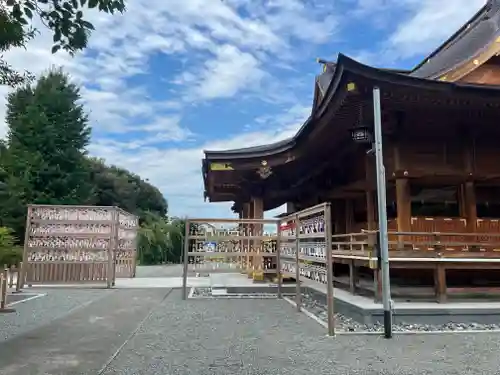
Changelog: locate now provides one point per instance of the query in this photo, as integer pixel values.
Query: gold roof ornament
(264, 171)
(351, 86)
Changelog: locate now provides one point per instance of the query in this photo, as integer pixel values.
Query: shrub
(10, 254)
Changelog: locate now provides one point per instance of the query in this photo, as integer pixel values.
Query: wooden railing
(66, 271)
(420, 244)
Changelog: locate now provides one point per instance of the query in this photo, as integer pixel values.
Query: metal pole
(186, 256)
(382, 215)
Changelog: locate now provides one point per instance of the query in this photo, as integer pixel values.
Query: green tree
(156, 238)
(64, 19)
(47, 137)
(119, 187)
(9, 253)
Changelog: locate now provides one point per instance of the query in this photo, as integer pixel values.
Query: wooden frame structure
(305, 250)
(250, 249)
(78, 244)
(440, 130)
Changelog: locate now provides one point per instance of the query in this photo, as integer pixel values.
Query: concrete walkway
(83, 341)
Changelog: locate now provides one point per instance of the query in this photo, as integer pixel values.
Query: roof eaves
(454, 36)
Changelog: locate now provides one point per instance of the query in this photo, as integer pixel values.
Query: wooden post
(3, 287)
(370, 210)
(246, 230)
(353, 276)
(19, 282)
(440, 282)
(329, 271)
(298, 289)
(470, 207)
(187, 233)
(110, 266)
(115, 244)
(257, 213)
(349, 215)
(25, 262)
(403, 203)
(369, 183)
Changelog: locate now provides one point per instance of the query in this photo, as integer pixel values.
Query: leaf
(83, 2)
(88, 25)
(28, 12)
(68, 7)
(29, 4)
(93, 3)
(55, 48)
(74, 3)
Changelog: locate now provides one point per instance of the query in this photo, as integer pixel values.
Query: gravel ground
(253, 337)
(345, 324)
(207, 293)
(40, 311)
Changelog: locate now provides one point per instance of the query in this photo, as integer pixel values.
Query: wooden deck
(442, 253)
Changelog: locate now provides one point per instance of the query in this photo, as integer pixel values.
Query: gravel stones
(346, 324)
(206, 293)
(257, 337)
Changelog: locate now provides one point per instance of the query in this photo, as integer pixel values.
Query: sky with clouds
(171, 78)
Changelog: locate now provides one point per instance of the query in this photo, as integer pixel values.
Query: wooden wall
(439, 155)
(488, 74)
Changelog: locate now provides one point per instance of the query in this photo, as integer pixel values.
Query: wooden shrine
(441, 152)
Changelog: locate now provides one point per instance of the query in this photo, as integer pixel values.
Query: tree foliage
(64, 18)
(47, 137)
(157, 241)
(10, 254)
(44, 161)
(119, 187)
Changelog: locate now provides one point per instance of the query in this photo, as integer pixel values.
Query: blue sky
(169, 79)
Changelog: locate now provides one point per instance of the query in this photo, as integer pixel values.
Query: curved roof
(471, 39)
(260, 150)
(476, 35)
(346, 66)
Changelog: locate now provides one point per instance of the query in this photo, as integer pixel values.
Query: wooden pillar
(349, 215)
(246, 243)
(338, 216)
(470, 207)
(403, 203)
(370, 210)
(369, 192)
(257, 213)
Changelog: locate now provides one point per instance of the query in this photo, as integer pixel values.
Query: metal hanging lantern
(362, 134)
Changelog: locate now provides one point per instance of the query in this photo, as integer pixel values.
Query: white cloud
(225, 50)
(431, 24)
(423, 25)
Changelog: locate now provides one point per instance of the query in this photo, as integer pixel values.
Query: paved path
(152, 335)
(165, 270)
(81, 342)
